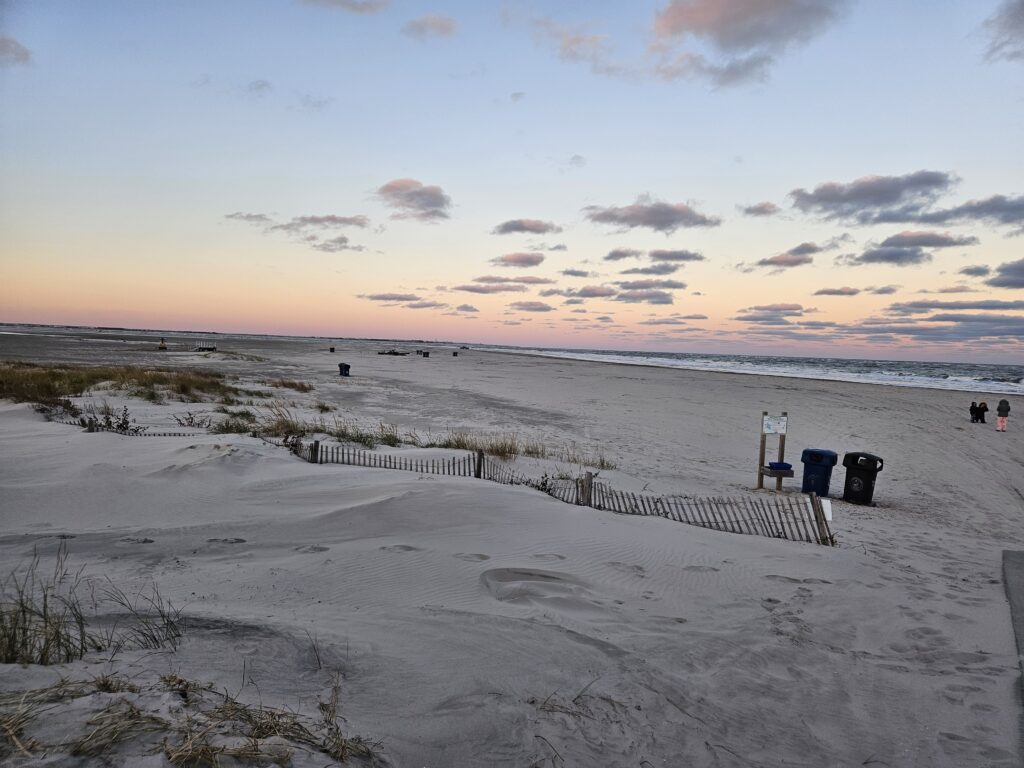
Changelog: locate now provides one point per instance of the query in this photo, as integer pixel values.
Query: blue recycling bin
(818, 463)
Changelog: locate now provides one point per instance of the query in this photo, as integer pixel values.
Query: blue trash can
(818, 463)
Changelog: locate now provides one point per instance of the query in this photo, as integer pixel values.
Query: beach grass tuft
(118, 722)
(41, 617)
(43, 621)
(298, 386)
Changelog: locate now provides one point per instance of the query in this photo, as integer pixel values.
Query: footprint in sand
(700, 568)
(130, 540)
(547, 557)
(791, 580)
(631, 570)
(311, 548)
(226, 541)
(401, 548)
(471, 557)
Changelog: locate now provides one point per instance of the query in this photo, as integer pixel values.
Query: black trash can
(861, 470)
(455, 354)
(426, 354)
(332, 349)
(343, 369)
(818, 463)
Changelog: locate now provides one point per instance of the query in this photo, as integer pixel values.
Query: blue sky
(340, 167)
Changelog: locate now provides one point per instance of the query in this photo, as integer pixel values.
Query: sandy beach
(472, 624)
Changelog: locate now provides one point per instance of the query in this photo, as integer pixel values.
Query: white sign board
(774, 425)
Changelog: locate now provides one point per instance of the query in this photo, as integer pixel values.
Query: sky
(806, 177)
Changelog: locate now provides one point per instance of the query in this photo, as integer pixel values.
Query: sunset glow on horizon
(808, 177)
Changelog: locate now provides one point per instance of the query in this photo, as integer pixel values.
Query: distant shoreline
(981, 379)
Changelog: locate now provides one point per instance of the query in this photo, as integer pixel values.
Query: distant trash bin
(332, 349)
(455, 354)
(343, 369)
(861, 471)
(426, 354)
(818, 463)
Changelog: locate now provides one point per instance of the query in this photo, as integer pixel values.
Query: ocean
(978, 378)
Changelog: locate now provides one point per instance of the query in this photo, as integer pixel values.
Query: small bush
(197, 420)
(324, 407)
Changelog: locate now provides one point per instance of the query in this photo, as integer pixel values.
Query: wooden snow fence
(778, 517)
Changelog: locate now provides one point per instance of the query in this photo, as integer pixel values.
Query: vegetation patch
(298, 386)
(42, 619)
(52, 385)
(208, 729)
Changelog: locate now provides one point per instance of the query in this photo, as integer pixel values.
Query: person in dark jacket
(974, 413)
(982, 410)
(1002, 414)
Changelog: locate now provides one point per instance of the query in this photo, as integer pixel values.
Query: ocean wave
(978, 378)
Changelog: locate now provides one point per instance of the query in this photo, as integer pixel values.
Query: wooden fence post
(478, 467)
(314, 452)
(588, 490)
(91, 425)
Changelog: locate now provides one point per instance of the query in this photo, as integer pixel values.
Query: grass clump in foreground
(207, 728)
(42, 619)
(52, 385)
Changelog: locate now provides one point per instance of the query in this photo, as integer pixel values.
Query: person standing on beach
(1002, 414)
(982, 410)
(974, 413)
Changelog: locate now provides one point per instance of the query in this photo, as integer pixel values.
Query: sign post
(773, 425)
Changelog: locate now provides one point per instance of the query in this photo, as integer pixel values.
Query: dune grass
(209, 728)
(53, 385)
(298, 386)
(43, 620)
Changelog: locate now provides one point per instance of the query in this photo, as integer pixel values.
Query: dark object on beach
(394, 352)
(455, 354)
(861, 471)
(162, 345)
(426, 354)
(818, 463)
(419, 351)
(779, 466)
(974, 413)
(1002, 414)
(343, 369)
(332, 349)
(463, 347)
(982, 410)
